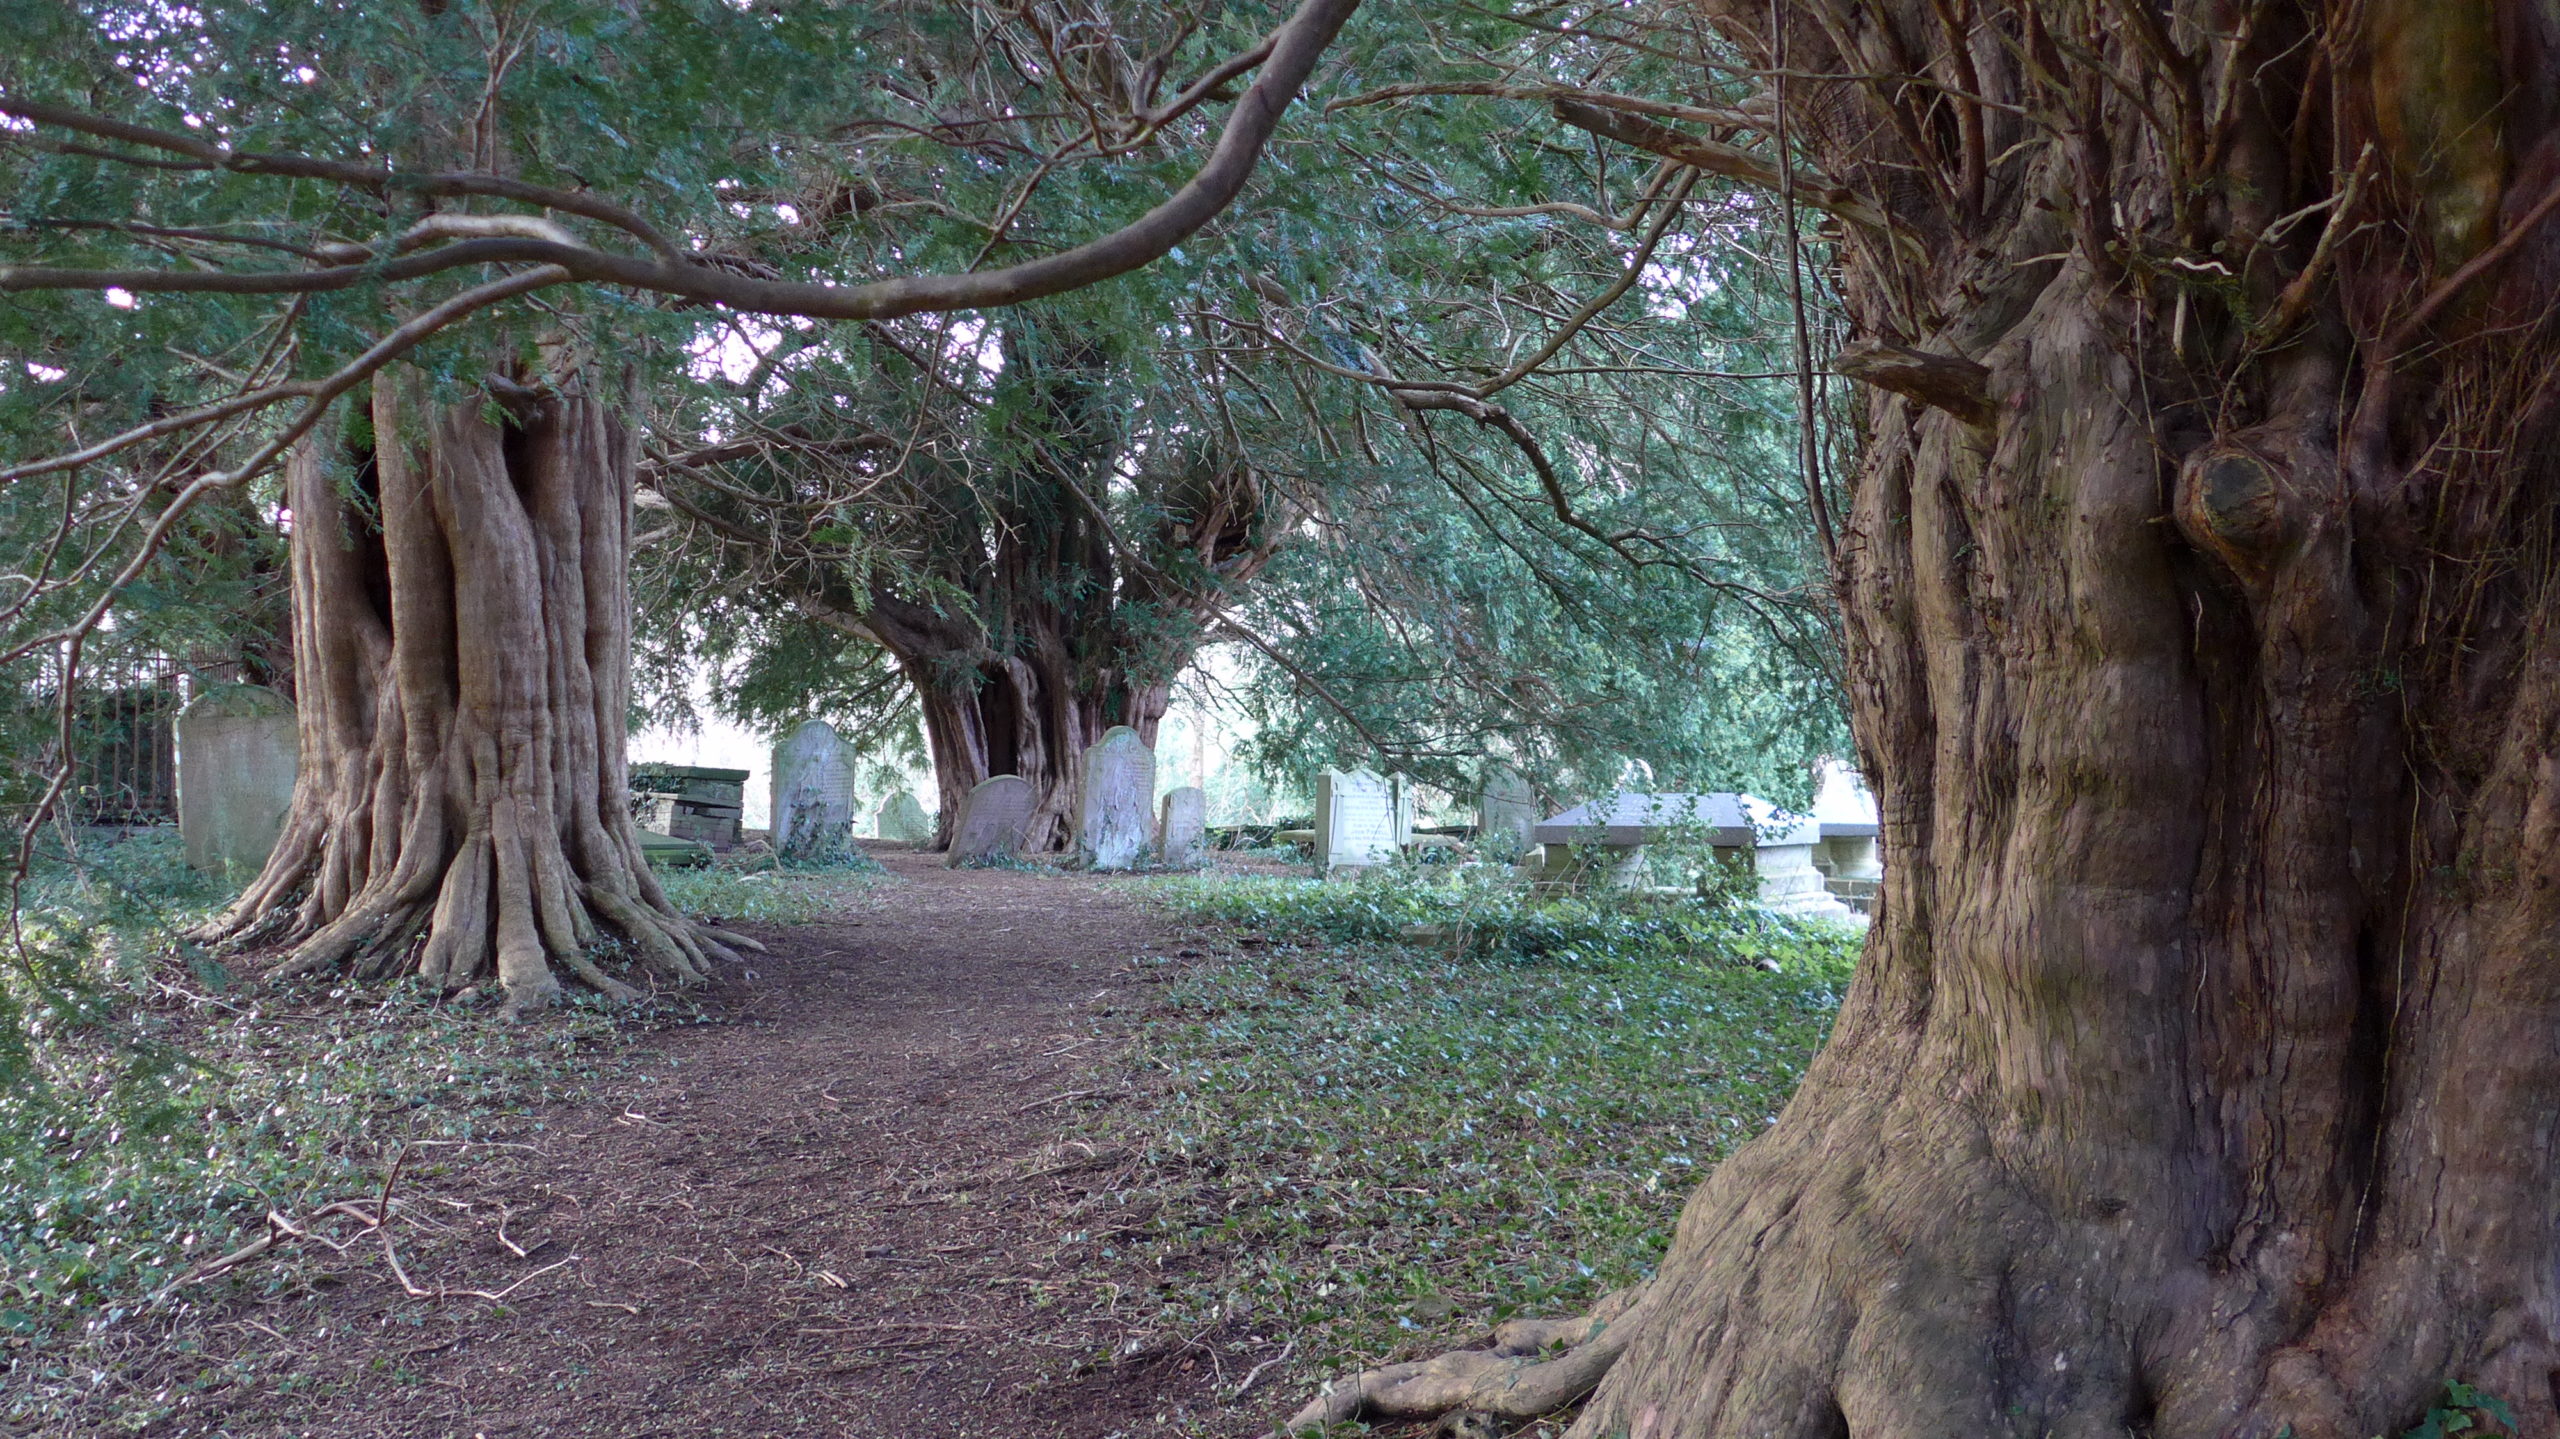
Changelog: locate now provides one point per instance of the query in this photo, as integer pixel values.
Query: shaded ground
(853, 1206)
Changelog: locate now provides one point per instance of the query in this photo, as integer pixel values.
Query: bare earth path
(852, 1209)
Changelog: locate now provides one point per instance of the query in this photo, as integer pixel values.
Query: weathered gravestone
(1850, 856)
(1182, 832)
(812, 792)
(1116, 800)
(237, 755)
(991, 820)
(901, 818)
(1506, 812)
(1400, 789)
(1355, 820)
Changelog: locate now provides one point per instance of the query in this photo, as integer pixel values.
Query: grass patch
(1392, 1145)
(779, 895)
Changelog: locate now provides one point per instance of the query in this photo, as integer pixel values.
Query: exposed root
(1536, 1367)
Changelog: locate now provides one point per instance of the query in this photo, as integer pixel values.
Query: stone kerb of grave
(1182, 831)
(1116, 800)
(812, 792)
(1355, 820)
(1506, 812)
(238, 753)
(902, 819)
(992, 820)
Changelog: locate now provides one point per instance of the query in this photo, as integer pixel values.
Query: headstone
(1505, 813)
(1116, 800)
(238, 752)
(902, 819)
(1355, 820)
(1400, 789)
(812, 792)
(1182, 832)
(991, 820)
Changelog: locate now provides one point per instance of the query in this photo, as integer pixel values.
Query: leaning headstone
(1355, 820)
(812, 792)
(1182, 831)
(1505, 813)
(237, 755)
(901, 818)
(1400, 789)
(1116, 800)
(991, 820)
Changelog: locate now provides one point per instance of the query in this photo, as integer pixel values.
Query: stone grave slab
(1182, 829)
(1776, 848)
(238, 753)
(991, 820)
(1116, 799)
(1355, 820)
(812, 792)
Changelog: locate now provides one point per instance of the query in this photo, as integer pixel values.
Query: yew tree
(403, 212)
(2198, 581)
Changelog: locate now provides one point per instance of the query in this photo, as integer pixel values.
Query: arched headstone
(991, 820)
(1116, 801)
(812, 791)
(238, 753)
(902, 819)
(1182, 833)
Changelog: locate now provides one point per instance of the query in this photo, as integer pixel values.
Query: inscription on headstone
(1182, 834)
(812, 791)
(1116, 800)
(1355, 820)
(901, 818)
(238, 753)
(991, 820)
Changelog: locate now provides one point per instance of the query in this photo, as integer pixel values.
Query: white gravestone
(1116, 801)
(991, 820)
(901, 818)
(1850, 856)
(1505, 813)
(812, 791)
(1182, 832)
(238, 752)
(1355, 820)
(1400, 789)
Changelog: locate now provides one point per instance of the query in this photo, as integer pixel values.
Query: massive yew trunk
(461, 634)
(2201, 1073)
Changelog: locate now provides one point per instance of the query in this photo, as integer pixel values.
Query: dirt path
(851, 1210)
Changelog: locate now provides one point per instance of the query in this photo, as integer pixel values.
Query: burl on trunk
(2201, 1073)
(462, 645)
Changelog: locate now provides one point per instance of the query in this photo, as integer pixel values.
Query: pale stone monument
(1506, 811)
(1850, 856)
(901, 818)
(1747, 833)
(238, 752)
(1116, 799)
(1182, 831)
(1400, 790)
(991, 820)
(1355, 820)
(812, 791)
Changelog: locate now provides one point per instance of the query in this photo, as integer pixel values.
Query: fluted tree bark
(2201, 581)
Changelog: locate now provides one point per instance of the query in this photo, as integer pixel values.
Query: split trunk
(462, 642)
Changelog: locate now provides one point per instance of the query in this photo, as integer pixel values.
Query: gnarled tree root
(1535, 1367)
